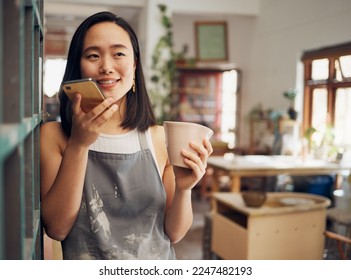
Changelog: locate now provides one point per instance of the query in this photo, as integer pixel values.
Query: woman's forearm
(179, 216)
(61, 204)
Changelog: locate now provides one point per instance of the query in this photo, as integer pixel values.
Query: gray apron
(122, 210)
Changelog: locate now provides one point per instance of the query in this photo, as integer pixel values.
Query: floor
(194, 247)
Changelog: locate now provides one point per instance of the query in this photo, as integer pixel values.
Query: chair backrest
(341, 241)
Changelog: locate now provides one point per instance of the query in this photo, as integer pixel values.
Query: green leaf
(166, 22)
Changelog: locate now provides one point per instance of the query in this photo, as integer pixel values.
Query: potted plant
(290, 94)
(321, 142)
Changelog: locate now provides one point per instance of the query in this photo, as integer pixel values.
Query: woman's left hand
(187, 178)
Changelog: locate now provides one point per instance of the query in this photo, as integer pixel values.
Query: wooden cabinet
(197, 96)
(288, 226)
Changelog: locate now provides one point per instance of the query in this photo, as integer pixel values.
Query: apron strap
(142, 140)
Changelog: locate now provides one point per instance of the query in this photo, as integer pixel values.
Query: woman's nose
(106, 66)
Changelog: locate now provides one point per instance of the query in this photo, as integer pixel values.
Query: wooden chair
(340, 217)
(219, 149)
(343, 243)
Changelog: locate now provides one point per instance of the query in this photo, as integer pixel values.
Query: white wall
(268, 47)
(283, 30)
(240, 29)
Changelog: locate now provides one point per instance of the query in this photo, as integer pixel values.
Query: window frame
(331, 84)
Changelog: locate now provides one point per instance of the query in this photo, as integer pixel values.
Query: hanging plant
(290, 94)
(163, 69)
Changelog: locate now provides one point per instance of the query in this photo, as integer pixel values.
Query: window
(229, 105)
(53, 73)
(327, 91)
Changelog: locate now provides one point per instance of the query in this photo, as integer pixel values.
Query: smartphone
(89, 90)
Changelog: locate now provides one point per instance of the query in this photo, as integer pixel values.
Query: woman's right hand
(86, 127)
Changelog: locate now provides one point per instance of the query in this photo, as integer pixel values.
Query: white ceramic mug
(178, 137)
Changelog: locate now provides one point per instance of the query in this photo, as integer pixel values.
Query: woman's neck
(113, 125)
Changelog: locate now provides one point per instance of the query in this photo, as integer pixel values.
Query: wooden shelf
(198, 95)
(20, 117)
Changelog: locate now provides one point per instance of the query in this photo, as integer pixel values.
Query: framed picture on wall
(211, 41)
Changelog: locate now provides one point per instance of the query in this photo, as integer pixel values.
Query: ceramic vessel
(254, 198)
(178, 137)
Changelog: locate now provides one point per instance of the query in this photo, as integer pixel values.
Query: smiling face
(108, 58)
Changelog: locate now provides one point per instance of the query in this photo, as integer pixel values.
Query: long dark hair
(139, 114)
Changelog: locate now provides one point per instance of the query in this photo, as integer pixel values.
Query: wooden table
(260, 166)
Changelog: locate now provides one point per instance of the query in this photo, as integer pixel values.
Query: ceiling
(62, 19)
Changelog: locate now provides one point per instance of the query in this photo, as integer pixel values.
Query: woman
(107, 188)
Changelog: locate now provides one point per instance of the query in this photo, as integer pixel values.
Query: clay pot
(254, 198)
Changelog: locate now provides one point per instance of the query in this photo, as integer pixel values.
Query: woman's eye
(92, 56)
(119, 54)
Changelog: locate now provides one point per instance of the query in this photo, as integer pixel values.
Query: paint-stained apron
(122, 210)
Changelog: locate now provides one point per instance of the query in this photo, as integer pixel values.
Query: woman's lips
(107, 83)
